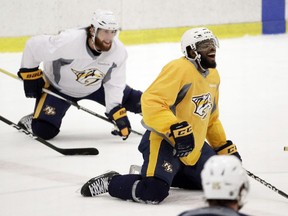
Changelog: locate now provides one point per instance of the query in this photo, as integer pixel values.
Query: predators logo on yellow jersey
(203, 105)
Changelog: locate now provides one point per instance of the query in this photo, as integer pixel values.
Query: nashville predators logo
(167, 167)
(48, 110)
(88, 77)
(203, 105)
(216, 185)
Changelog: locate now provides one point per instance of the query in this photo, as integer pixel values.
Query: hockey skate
(97, 185)
(26, 123)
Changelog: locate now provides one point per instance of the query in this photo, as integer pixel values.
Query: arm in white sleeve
(114, 87)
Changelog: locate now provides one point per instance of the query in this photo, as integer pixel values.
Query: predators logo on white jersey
(88, 77)
(203, 105)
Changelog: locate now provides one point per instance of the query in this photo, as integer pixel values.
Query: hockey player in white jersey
(225, 184)
(83, 63)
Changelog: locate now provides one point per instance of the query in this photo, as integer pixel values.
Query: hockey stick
(267, 184)
(74, 151)
(83, 108)
(69, 101)
(137, 169)
(9, 74)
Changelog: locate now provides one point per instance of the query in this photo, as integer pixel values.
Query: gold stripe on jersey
(182, 93)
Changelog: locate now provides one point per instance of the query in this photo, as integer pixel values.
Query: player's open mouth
(107, 43)
(211, 55)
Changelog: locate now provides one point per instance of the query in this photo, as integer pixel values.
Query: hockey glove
(184, 139)
(229, 149)
(33, 81)
(118, 116)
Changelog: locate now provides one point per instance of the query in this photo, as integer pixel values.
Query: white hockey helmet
(195, 35)
(104, 19)
(224, 178)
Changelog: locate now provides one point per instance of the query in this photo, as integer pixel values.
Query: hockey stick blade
(71, 151)
(267, 184)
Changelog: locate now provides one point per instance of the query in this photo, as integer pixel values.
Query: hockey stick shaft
(9, 74)
(267, 184)
(74, 151)
(137, 169)
(83, 108)
(70, 102)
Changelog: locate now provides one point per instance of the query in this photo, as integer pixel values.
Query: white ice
(36, 180)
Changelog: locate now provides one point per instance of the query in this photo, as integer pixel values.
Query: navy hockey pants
(160, 171)
(50, 110)
(169, 168)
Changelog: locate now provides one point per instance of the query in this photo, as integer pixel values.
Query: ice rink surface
(36, 180)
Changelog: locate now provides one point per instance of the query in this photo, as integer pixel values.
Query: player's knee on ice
(121, 186)
(151, 190)
(134, 187)
(44, 129)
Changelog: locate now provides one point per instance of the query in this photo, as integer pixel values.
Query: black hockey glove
(229, 149)
(33, 81)
(184, 139)
(118, 116)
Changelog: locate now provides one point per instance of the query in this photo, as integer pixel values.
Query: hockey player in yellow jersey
(181, 114)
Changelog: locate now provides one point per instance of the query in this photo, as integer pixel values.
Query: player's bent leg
(150, 190)
(189, 177)
(132, 100)
(46, 123)
(44, 129)
(133, 187)
(121, 186)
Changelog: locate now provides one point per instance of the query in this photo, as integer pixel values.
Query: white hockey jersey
(71, 67)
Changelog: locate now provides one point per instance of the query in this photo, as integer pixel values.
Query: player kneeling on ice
(225, 184)
(180, 111)
(83, 63)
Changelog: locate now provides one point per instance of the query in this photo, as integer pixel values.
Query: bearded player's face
(104, 38)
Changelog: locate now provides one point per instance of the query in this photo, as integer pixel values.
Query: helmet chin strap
(93, 41)
(197, 61)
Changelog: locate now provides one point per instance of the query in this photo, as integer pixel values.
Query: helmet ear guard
(189, 56)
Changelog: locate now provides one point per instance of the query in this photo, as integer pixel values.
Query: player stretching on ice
(180, 111)
(84, 63)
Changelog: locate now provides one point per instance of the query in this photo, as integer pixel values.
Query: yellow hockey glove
(118, 115)
(184, 139)
(229, 149)
(33, 81)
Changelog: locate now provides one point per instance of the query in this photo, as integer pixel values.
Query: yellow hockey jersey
(182, 93)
